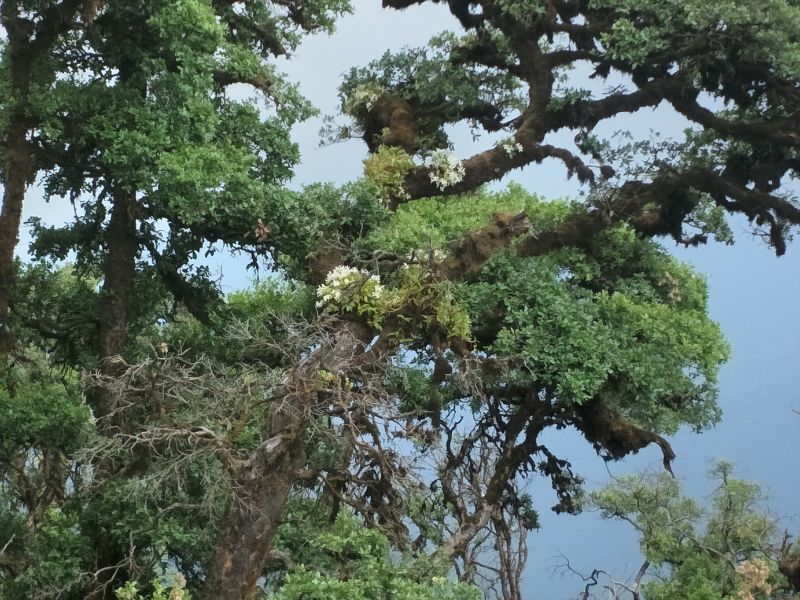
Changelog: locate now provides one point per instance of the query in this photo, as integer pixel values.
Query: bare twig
(7, 544)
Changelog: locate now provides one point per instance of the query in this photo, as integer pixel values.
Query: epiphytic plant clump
(445, 170)
(347, 289)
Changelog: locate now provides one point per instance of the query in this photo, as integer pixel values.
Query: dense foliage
(362, 424)
(729, 550)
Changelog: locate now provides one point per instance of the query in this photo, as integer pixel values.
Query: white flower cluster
(363, 95)
(445, 169)
(510, 147)
(417, 256)
(343, 279)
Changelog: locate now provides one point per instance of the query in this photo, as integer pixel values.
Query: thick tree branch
(785, 132)
(191, 297)
(260, 81)
(615, 437)
(487, 166)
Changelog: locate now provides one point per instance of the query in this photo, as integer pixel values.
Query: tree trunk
(115, 299)
(254, 513)
(19, 173)
(115, 303)
(262, 487)
(19, 168)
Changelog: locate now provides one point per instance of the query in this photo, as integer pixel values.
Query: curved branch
(615, 437)
(181, 289)
(490, 165)
(784, 132)
(588, 113)
(259, 81)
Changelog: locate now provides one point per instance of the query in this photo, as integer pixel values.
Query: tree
(134, 122)
(199, 423)
(465, 321)
(32, 33)
(727, 551)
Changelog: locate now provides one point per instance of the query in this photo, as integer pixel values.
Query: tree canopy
(729, 550)
(360, 425)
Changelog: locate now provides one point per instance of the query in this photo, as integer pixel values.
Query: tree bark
(254, 513)
(262, 487)
(19, 167)
(115, 304)
(115, 297)
(27, 43)
(19, 174)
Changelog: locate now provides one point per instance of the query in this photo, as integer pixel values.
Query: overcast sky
(754, 296)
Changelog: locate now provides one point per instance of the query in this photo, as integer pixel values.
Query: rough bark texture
(115, 301)
(27, 43)
(789, 562)
(615, 437)
(252, 517)
(18, 168)
(262, 486)
(19, 173)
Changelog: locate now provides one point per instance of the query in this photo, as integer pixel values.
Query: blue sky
(753, 295)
